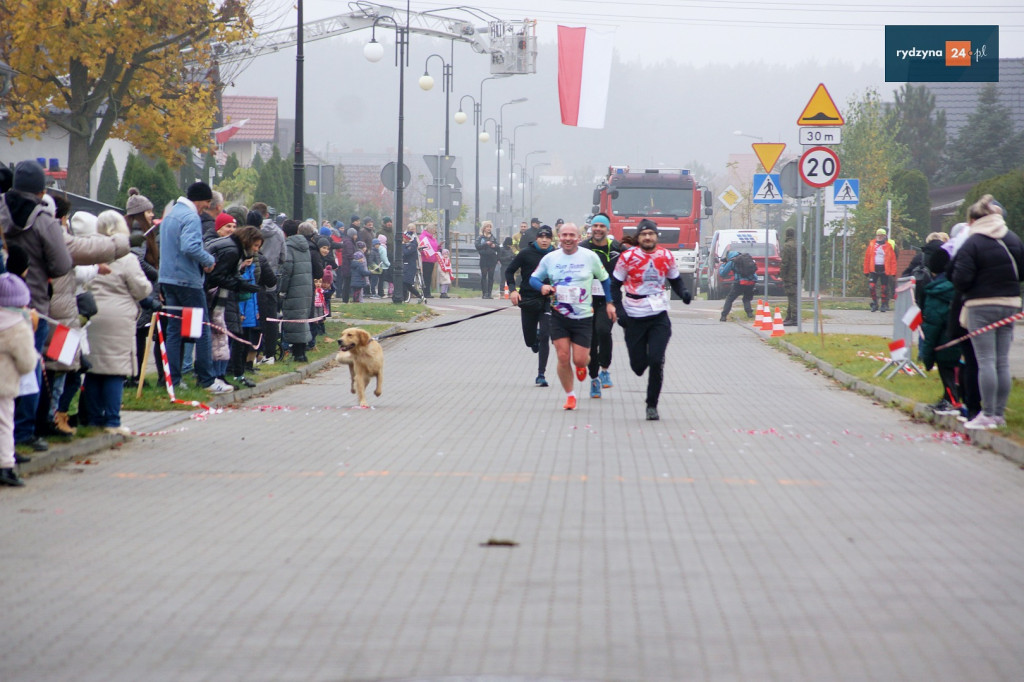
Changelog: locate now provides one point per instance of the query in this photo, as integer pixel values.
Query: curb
(62, 453)
(946, 422)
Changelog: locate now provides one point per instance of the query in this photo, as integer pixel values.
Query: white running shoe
(219, 386)
(982, 422)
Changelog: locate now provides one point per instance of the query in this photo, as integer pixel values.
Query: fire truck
(671, 197)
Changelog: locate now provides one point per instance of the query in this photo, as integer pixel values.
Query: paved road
(771, 527)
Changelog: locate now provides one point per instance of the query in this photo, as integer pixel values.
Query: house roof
(960, 100)
(261, 113)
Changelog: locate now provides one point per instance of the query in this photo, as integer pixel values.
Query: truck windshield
(653, 201)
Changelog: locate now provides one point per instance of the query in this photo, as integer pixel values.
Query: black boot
(10, 477)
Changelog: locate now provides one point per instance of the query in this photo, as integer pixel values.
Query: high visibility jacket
(890, 257)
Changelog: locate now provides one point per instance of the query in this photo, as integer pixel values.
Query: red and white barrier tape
(982, 330)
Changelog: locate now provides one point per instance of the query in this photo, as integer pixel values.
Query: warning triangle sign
(820, 110)
(768, 153)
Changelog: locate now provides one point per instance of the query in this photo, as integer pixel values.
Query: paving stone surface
(772, 526)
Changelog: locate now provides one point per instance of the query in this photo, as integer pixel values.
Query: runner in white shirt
(571, 271)
(638, 286)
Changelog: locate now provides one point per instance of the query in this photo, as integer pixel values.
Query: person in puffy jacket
(295, 290)
(360, 273)
(936, 297)
(225, 287)
(487, 247)
(111, 331)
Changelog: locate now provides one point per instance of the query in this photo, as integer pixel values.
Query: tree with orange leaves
(136, 70)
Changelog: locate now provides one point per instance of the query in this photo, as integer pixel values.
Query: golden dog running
(365, 359)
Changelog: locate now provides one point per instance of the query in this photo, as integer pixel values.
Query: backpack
(745, 266)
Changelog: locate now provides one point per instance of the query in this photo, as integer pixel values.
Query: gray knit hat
(29, 177)
(13, 291)
(137, 203)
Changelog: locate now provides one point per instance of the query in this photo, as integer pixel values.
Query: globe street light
(373, 51)
(426, 83)
(740, 133)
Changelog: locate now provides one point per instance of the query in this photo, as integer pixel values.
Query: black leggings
(486, 279)
(646, 342)
(601, 341)
(428, 275)
(536, 333)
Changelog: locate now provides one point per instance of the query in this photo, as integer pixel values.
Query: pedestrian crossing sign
(767, 188)
(846, 192)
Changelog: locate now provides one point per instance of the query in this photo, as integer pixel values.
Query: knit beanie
(83, 224)
(325, 231)
(199, 191)
(29, 177)
(13, 291)
(254, 218)
(224, 219)
(358, 255)
(137, 203)
(352, 232)
(382, 238)
(360, 245)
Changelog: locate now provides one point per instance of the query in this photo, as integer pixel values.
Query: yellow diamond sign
(730, 198)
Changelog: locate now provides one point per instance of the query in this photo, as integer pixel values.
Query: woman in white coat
(111, 332)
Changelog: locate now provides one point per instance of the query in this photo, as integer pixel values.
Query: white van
(744, 241)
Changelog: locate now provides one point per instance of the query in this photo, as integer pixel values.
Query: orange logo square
(958, 53)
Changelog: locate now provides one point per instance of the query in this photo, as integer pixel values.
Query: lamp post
(501, 120)
(299, 163)
(526, 171)
(426, 83)
(512, 158)
(373, 51)
(533, 177)
(460, 118)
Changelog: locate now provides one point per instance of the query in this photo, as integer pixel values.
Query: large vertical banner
(584, 71)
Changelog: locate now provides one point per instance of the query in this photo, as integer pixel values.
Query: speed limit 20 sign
(819, 166)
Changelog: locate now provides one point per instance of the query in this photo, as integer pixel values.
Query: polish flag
(63, 345)
(192, 322)
(584, 70)
(912, 318)
(224, 134)
(898, 350)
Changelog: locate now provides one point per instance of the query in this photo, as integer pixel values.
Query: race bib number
(569, 294)
(658, 302)
(596, 288)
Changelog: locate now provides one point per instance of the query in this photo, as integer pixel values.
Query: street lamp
(501, 120)
(526, 167)
(512, 157)
(373, 51)
(426, 83)
(533, 176)
(740, 133)
(460, 118)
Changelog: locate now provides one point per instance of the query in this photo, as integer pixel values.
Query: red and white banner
(222, 135)
(192, 322)
(584, 71)
(64, 344)
(912, 318)
(898, 350)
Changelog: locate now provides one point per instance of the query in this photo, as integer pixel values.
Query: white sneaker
(267, 361)
(118, 430)
(219, 386)
(982, 422)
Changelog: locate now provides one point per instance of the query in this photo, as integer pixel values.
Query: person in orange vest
(880, 268)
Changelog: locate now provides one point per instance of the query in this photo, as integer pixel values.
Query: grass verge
(852, 354)
(385, 311)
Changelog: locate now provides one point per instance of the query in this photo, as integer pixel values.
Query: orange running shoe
(581, 373)
(570, 403)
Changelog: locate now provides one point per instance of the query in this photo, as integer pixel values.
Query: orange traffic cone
(777, 328)
(757, 315)
(506, 290)
(766, 319)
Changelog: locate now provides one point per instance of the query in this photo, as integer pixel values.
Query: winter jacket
(209, 224)
(525, 263)
(487, 247)
(505, 256)
(890, 257)
(382, 253)
(348, 247)
(248, 307)
(182, 256)
(983, 269)
(111, 331)
(17, 351)
(373, 262)
(730, 266)
(410, 262)
(273, 245)
(295, 288)
(360, 275)
(225, 282)
(27, 224)
(85, 251)
(938, 294)
(788, 271)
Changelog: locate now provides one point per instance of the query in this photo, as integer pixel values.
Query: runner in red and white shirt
(638, 289)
